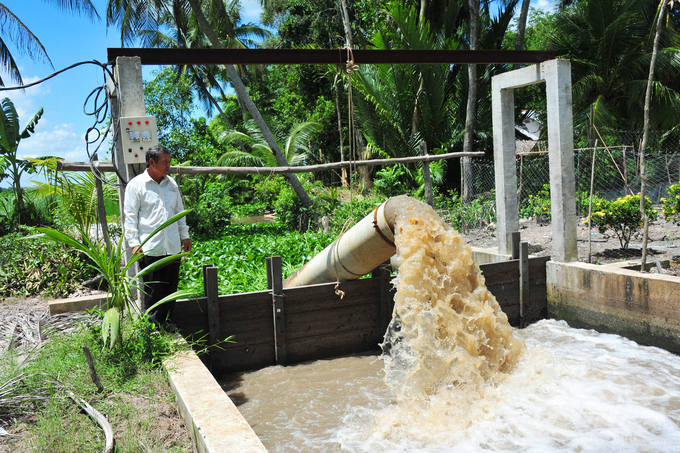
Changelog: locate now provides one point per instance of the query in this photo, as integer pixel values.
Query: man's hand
(137, 249)
(187, 244)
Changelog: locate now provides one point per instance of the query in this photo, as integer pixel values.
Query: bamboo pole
(106, 167)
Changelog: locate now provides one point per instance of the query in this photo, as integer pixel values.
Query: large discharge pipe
(355, 253)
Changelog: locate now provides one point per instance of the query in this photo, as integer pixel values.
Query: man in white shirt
(151, 198)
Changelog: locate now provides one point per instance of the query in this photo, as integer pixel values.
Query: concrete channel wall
(642, 307)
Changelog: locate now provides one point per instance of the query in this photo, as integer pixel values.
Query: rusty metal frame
(327, 56)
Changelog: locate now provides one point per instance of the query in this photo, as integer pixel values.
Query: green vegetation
(671, 205)
(111, 262)
(300, 114)
(622, 216)
(40, 268)
(537, 205)
(11, 166)
(137, 398)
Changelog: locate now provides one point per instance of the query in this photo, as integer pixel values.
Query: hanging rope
(351, 67)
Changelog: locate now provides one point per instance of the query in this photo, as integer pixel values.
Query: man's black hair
(155, 153)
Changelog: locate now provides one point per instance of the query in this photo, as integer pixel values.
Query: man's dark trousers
(159, 284)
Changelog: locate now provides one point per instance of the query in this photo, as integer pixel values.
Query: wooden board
(323, 321)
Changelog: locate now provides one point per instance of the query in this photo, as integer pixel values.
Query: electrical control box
(139, 133)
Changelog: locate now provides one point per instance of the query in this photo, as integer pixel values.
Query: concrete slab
(643, 307)
(59, 306)
(486, 255)
(214, 422)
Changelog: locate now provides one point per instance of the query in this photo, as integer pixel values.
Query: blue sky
(70, 39)
(67, 39)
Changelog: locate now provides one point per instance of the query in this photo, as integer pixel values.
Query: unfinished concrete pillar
(557, 76)
(503, 101)
(127, 99)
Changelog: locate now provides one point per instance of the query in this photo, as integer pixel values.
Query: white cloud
(63, 140)
(25, 101)
(546, 5)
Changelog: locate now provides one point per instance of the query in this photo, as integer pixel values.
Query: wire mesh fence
(610, 165)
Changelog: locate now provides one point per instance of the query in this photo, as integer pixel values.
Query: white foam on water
(573, 390)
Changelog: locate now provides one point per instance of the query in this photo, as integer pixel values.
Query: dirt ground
(664, 243)
(168, 425)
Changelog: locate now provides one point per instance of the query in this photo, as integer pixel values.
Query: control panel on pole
(139, 133)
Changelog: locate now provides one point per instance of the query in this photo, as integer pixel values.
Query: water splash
(448, 331)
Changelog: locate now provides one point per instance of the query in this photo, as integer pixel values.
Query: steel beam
(327, 56)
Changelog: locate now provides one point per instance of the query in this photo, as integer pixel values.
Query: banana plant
(114, 269)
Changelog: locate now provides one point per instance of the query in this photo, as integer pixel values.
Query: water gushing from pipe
(447, 329)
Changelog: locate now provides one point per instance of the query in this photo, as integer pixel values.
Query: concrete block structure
(557, 76)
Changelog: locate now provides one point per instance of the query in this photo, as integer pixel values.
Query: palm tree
(76, 192)
(401, 105)
(10, 137)
(14, 30)
(136, 15)
(645, 133)
(471, 110)
(295, 146)
(610, 45)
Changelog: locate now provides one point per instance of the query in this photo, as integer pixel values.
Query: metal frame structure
(327, 56)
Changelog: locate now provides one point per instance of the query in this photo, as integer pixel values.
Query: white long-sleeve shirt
(147, 205)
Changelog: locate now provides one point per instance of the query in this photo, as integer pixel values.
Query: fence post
(590, 203)
(385, 305)
(211, 290)
(275, 285)
(513, 239)
(524, 293)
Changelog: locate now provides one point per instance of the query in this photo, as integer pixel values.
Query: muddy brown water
(457, 377)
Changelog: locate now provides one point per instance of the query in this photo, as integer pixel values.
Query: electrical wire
(100, 112)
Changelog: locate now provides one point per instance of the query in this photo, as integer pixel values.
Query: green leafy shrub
(111, 263)
(347, 214)
(390, 181)
(466, 215)
(537, 205)
(671, 205)
(211, 210)
(622, 216)
(583, 202)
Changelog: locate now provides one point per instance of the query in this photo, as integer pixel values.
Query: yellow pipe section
(355, 253)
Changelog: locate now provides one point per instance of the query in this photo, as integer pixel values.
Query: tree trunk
(423, 7)
(471, 111)
(427, 182)
(18, 191)
(522, 25)
(645, 133)
(242, 93)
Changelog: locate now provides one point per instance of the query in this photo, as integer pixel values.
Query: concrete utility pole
(127, 99)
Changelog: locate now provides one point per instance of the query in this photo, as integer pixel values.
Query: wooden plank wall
(502, 280)
(322, 321)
